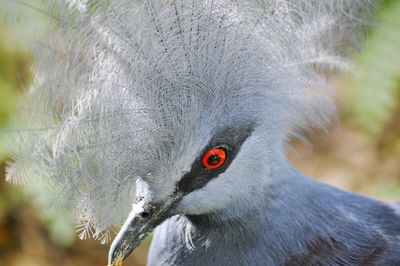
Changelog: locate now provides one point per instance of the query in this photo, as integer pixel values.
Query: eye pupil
(214, 158)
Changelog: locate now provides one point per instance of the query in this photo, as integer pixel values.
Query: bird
(175, 115)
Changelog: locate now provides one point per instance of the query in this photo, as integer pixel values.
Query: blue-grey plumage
(305, 223)
(146, 111)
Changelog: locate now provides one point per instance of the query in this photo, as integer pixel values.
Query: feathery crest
(121, 85)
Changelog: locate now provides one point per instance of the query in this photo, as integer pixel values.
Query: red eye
(214, 158)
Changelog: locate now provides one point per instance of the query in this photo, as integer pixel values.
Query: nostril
(139, 199)
(144, 215)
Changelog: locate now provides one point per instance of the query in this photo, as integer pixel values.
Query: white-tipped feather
(122, 85)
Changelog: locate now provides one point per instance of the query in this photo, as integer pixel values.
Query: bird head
(142, 110)
(212, 172)
(199, 153)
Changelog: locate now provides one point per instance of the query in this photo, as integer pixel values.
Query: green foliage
(26, 21)
(10, 62)
(14, 75)
(8, 82)
(374, 91)
(7, 100)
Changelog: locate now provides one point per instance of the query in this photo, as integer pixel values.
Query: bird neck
(277, 222)
(299, 220)
(281, 189)
(292, 197)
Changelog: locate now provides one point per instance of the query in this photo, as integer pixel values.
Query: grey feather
(319, 226)
(124, 88)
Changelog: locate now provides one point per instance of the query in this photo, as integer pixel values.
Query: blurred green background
(360, 154)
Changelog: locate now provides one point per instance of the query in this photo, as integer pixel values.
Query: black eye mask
(230, 139)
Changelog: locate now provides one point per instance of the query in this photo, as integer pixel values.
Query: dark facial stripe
(231, 139)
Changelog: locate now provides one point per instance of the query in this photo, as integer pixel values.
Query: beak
(141, 221)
